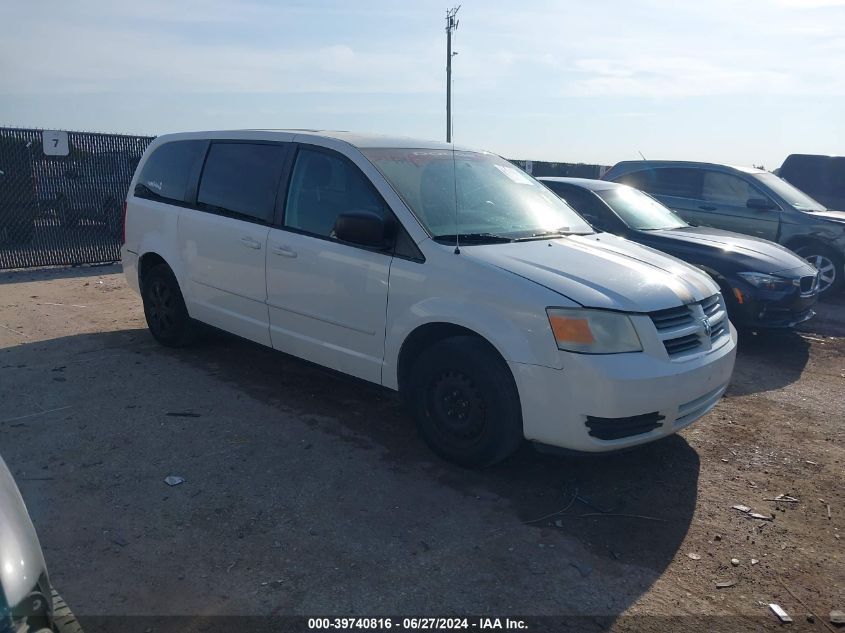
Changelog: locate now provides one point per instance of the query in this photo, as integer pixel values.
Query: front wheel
(164, 308)
(829, 264)
(465, 402)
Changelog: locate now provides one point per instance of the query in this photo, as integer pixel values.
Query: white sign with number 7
(55, 143)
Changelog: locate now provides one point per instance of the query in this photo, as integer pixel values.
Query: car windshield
(640, 211)
(475, 194)
(793, 196)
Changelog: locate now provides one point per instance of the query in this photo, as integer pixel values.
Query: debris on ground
(735, 562)
(754, 561)
(183, 414)
(724, 584)
(583, 569)
(694, 556)
(783, 616)
(837, 617)
(784, 499)
(742, 508)
(174, 480)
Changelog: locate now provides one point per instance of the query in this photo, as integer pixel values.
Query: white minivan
(446, 274)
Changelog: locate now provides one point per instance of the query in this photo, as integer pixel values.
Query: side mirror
(761, 204)
(363, 228)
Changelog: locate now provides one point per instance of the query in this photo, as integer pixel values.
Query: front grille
(617, 428)
(671, 318)
(807, 284)
(683, 330)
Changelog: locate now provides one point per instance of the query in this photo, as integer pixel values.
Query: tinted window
(166, 173)
(322, 187)
(587, 205)
(666, 181)
(241, 179)
(727, 189)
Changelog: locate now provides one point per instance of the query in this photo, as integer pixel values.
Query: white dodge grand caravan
(446, 274)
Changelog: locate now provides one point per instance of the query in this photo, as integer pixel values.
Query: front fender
(506, 310)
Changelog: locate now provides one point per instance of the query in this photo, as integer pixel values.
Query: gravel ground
(309, 493)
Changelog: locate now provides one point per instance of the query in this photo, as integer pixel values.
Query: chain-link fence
(61, 195)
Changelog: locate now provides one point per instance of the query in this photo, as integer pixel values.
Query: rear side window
(241, 179)
(322, 187)
(167, 171)
(666, 181)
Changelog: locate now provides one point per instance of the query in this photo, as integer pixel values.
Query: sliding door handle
(250, 242)
(284, 251)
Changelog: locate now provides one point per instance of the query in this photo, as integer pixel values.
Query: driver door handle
(284, 251)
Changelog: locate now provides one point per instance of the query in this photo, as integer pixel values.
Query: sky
(733, 81)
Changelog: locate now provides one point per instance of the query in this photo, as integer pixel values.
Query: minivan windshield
(474, 194)
(793, 196)
(640, 211)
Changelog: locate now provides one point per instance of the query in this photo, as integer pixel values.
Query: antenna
(455, 182)
(641, 155)
(451, 27)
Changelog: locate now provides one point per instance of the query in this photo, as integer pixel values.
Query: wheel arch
(426, 335)
(146, 263)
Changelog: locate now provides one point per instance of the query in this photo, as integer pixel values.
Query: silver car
(28, 603)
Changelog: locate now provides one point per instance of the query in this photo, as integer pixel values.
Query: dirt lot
(308, 493)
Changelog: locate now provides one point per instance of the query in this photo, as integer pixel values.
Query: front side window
(324, 186)
(166, 173)
(727, 189)
(242, 179)
(473, 193)
(640, 211)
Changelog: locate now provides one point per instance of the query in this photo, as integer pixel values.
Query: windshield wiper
(546, 234)
(473, 238)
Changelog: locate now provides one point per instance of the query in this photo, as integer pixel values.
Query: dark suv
(745, 200)
(823, 177)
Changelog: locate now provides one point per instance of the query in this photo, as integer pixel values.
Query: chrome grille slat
(681, 329)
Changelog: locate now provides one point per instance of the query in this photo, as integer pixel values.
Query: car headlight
(766, 282)
(593, 331)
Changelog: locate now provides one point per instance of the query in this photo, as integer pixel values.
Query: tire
(67, 217)
(464, 399)
(20, 231)
(829, 263)
(164, 308)
(63, 618)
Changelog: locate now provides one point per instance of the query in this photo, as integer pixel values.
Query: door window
(727, 189)
(322, 187)
(679, 182)
(241, 179)
(167, 171)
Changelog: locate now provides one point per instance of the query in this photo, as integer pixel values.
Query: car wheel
(164, 308)
(67, 217)
(63, 617)
(829, 264)
(465, 402)
(21, 230)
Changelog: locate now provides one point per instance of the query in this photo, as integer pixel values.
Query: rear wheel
(164, 308)
(465, 402)
(829, 264)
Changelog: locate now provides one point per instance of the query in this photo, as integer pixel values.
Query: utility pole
(451, 26)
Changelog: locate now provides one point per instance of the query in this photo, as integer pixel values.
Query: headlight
(593, 331)
(766, 282)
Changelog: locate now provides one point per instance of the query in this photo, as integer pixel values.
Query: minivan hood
(21, 560)
(714, 246)
(601, 271)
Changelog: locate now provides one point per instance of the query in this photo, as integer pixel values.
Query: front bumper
(769, 308)
(574, 407)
